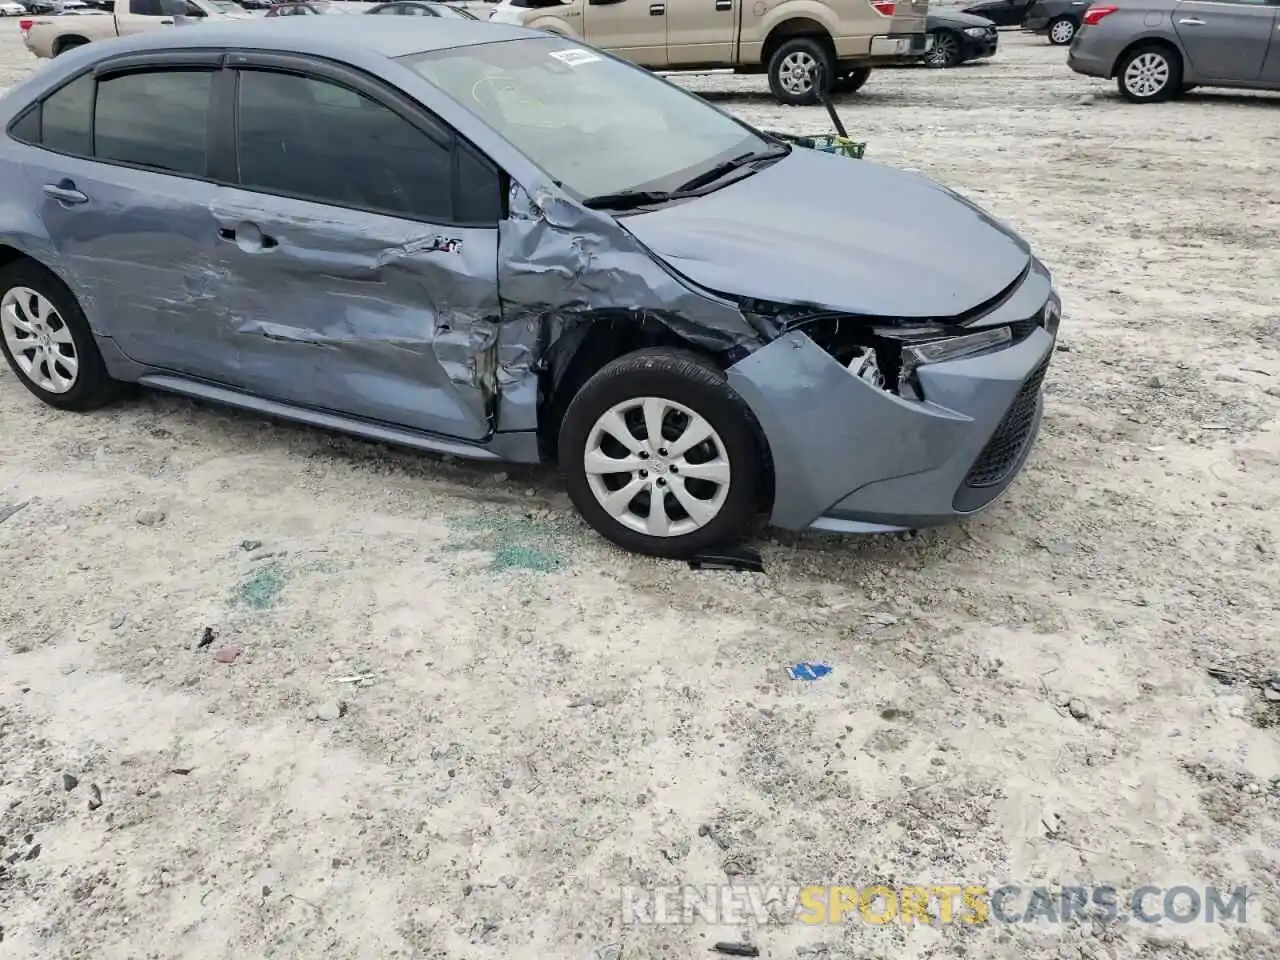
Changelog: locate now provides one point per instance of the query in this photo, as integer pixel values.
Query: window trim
(155, 61)
(418, 116)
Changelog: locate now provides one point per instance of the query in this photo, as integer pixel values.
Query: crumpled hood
(839, 234)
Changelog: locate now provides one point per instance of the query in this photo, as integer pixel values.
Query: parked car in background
(491, 242)
(301, 8)
(11, 8)
(1003, 13)
(959, 37)
(793, 41)
(1157, 49)
(1056, 19)
(420, 8)
(51, 36)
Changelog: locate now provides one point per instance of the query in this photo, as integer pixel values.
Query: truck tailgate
(909, 16)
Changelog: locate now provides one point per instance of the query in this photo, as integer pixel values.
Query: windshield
(593, 124)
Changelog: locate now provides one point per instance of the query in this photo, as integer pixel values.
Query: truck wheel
(660, 456)
(794, 68)
(1062, 31)
(851, 81)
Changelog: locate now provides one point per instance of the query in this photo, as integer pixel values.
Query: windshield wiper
(630, 199)
(728, 166)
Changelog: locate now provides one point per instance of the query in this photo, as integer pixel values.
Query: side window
(158, 120)
(479, 188)
(313, 139)
(66, 118)
(145, 8)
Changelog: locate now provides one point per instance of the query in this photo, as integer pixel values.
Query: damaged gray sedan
(494, 243)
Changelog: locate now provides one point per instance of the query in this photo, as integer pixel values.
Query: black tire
(851, 81)
(1065, 33)
(93, 387)
(1154, 54)
(814, 50)
(676, 376)
(68, 43)
(946, 49)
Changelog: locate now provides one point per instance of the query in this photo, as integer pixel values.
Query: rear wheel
(660, 456)
(851, 81)
(1149, 74)
(68, 43)
(1062, 31)
(946, 49)
(47, 342)
(797, 67)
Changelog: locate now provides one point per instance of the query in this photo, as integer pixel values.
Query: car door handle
(249, 238)
(65, 192)
(724, 4)
(1192, 21)
(657, 9)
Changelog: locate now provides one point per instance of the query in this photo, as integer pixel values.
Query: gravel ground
(1024, 699)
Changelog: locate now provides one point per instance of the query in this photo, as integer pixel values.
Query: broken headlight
(916, 353)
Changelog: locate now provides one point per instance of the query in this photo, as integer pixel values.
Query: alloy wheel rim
(39, 340)
(657, 467)
(943, 48)
(1147, 75)
(796, 72)
(1063, 31)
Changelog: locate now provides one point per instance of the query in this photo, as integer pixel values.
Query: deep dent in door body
(560, 268)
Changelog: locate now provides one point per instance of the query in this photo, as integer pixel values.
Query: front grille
(1010, 439)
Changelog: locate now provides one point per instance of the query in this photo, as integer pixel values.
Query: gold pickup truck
(795, 41)
(48, 36)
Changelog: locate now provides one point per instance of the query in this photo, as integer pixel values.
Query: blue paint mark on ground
(808, 671)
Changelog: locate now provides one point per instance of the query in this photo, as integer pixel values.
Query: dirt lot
(549, 719)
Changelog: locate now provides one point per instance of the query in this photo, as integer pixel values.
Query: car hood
(839, 234)
(956, 18)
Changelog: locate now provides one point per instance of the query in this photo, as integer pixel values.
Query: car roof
(330, 36)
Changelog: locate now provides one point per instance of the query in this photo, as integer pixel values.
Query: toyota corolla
(495, 243)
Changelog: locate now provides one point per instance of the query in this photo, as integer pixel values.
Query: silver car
(1156, 49)
(495, 243)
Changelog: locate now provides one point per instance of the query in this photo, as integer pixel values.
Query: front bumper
(979, 48)
(852, 458)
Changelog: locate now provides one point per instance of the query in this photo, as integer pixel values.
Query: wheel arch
(580, 352)
(67, 42)
(809, 23)
(1147, 40)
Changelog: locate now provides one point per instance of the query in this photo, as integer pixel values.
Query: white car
(8, 9)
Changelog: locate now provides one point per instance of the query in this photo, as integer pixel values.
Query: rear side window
(158, 120)
(316, 140)
(66, 123)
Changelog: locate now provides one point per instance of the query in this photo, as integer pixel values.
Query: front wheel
(946, 49)
(1149, 74)
(1062, 31)
(797, 67)
(660, 456)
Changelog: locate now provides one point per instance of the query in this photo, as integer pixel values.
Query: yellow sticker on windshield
(575, 57)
